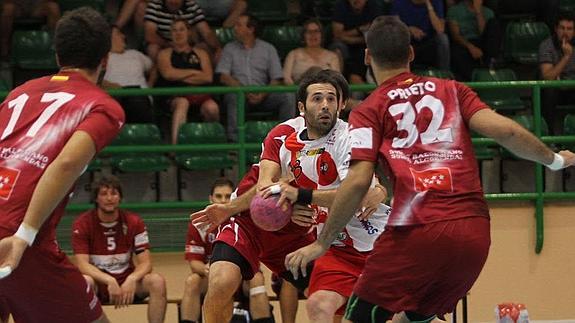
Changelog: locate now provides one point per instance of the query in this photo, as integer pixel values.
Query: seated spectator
(227, 11)
(198, 252)
(300, 60)
(105, 240)
(351, 18)
(425, 19)
(557, 62)
(186, 65)
(127, 68)
(159, 17)
(251, 61)
(12, 9)
(475, 35)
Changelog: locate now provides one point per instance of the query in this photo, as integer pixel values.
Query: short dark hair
(107, 181)
(324, 76)
(388, 41)
(564, 15)
(222, 182)
(253, 22)
(82, 38)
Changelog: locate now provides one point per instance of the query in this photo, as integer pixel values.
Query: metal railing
(539, 196)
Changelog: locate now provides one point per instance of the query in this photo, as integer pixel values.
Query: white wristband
(257, 290)
(26, 233)
(558, 162)
(275, 189)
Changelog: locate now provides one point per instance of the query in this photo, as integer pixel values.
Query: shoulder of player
(287, 127)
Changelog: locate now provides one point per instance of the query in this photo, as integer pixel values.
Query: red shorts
(337, 271)
(257, 245)
(197, 99)
(425, 269)
(45, 285)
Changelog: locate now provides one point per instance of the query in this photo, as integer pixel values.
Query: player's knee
(319, 306)
(156, 284)
(193, 284)
(258, 280)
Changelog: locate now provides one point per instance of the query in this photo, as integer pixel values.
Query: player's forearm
(323, 197)
(52, 187)
(98, 275)
(525, 145)
(242, 202)
(141, 270)
(198, 267)
(347, 200)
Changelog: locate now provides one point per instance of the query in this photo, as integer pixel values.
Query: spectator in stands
(251, 61)
(183, 64)
(426, 22)
(351, 18)
(300, 60)
(128, 68)
(159, 17)
(12, 9)
(475, 35)
(104, 240)
(198, 252)
(129, 9)
(227, 11)
(557, 62)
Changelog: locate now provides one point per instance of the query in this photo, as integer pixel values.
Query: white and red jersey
(418, 128)
(322, 164)
(199, 244)
(36, 121)
(110, 245)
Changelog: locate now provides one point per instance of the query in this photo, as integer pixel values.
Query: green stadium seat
(569, 125)
(67, 5)
(256, 131)
(433, 72)
(203, 133)
(139, 134)
(269, 10)
(567, 5)
(502, 100)
(522, 39)
(33, 50)
(284, 38)
(225, 35)
(5, 83)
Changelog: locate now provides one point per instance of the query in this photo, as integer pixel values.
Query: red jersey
(199, 244)
(36, 120)
(110, 245)
(418, 128)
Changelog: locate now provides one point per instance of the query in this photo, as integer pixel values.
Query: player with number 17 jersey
(37, 119)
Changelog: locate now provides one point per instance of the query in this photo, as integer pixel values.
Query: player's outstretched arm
(53, 185)
(518, 140)
(348, 198)
(215, 214)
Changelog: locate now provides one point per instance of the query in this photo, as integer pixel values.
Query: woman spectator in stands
(183, 64)
(312, 55)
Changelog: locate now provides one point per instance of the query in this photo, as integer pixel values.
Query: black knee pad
(302, 282)
(223, 252)
(360, 311)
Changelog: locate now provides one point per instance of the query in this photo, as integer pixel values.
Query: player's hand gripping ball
(267, 215)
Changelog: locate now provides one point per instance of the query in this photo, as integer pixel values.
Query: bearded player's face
(321, 108)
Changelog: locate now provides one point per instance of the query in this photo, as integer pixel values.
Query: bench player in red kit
(437, 238)
(51, 128)
(105, 241)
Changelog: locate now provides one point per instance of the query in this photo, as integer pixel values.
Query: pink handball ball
(267, 215)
